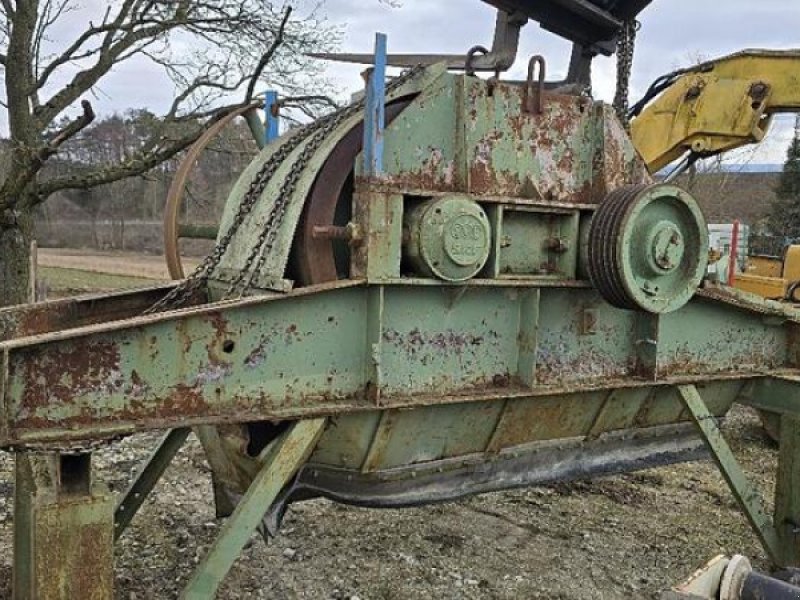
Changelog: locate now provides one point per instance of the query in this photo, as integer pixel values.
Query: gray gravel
(621, 537)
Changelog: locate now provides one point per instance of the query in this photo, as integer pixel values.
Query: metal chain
(315, 133)
(198, 278)
(260, 251)
(626, 45)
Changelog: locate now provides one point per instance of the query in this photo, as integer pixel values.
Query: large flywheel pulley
(648, 248)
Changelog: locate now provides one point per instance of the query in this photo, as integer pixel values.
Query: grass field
(59, 282)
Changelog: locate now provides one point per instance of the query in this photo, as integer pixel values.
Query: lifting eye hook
(469, 69)
(534, 91)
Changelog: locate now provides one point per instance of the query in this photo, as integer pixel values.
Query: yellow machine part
(765, 266)
(771, 277)
(720, 105)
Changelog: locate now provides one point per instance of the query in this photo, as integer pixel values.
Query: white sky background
(674, 33)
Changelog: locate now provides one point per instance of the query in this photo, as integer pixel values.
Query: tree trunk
(16, 234)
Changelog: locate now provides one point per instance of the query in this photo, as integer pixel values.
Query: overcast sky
(674, 33)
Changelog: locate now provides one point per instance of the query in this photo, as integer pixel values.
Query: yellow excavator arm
(716, 106)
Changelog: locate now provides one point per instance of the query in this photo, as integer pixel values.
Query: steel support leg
(746, 494)
(280, 461)
(63, 530)
(787, 491)
(147, 478)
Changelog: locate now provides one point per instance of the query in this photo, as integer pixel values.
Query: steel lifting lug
(534, 90)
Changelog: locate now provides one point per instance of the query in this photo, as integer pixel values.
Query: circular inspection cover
(449, 238)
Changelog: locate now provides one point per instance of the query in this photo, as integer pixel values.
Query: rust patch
(59, 375)
(447, 341)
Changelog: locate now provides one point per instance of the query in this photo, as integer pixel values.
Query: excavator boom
(718, 106)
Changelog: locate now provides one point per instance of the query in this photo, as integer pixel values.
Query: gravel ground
(627, 536)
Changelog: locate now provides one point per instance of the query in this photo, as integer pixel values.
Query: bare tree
(215, 51)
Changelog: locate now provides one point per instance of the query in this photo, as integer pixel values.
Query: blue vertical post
(271, 119)
(375, 115)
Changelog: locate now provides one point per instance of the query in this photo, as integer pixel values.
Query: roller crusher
(453, 286)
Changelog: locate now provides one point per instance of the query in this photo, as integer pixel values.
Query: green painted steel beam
(420, 344)
(779, 394)
(281, 461)
(746, 494)
(147, 477)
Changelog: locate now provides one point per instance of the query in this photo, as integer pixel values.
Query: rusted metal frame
(207, 330)
(747, 496)
(69, 313)
(787, 491)
(63, 532)
(281, 461)
(147, 477)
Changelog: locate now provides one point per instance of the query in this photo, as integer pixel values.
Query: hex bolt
(557, 245)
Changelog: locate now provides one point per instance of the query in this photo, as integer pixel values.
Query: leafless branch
(14, 184)
(264, 61)
(135, 165)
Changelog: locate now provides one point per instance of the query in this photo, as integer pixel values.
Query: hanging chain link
(315, 134)
(626, 45)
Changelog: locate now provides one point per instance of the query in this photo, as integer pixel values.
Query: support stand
(147, 478)
(778, 536)
(281, 461)
(63, 530)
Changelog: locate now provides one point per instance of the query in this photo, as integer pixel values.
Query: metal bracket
(147, 478)
(375, 113)
(746, 494)
(500, 58)
(281, 461)
(271, 116)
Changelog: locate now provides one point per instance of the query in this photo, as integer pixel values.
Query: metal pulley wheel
(173, 229)
(648, 248)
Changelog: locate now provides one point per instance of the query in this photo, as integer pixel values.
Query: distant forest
(127, 214)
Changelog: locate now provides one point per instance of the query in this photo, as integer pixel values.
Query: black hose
(791, 291)
(762, 587)
(662, 83)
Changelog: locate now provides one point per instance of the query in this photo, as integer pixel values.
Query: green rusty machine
(455, 285)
